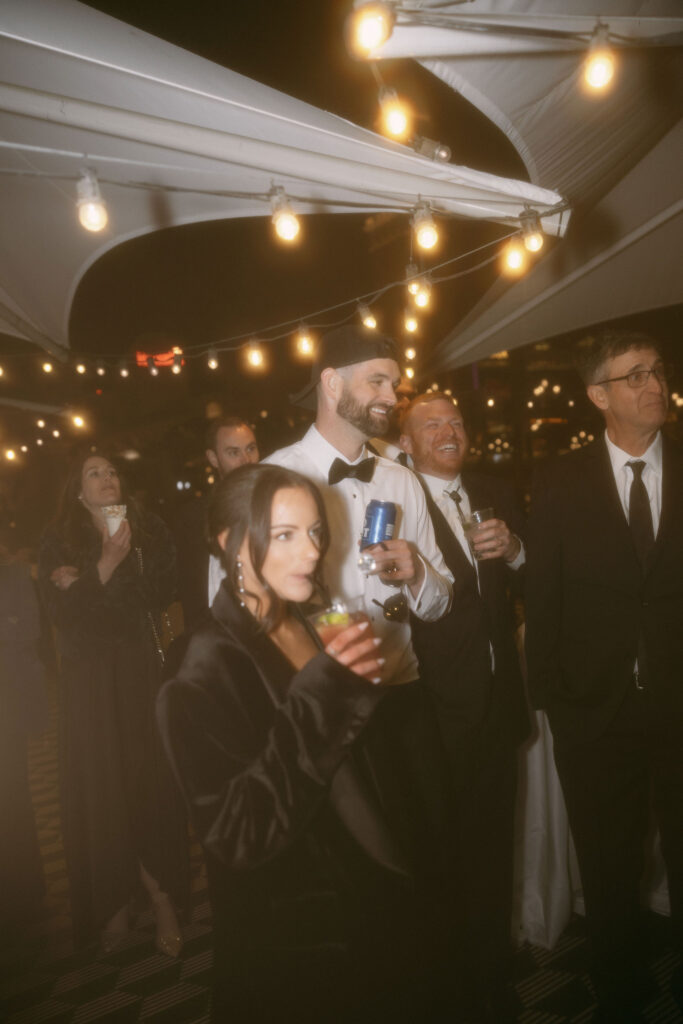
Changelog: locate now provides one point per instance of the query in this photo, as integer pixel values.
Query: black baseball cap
(344, 346)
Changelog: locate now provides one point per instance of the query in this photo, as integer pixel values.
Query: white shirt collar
(652, 457)
(323, 453)
(437, 485)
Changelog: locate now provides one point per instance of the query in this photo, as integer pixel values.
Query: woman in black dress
(122, 818)
(270, 738)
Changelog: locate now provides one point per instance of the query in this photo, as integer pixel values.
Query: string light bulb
(532, 232)
(412, 279)
(152, 367)
(426, 234)
(177, 363)
(80, 368)
(410, 372)
(47, 367)
(395, 117)
(101, 370)
(304, 342)
(10, 454)
(369, 27)
(78, 422)
(123, 370)
(433, 150)
(285, 221)
(422, 296)
(92, 210)
(514, 257)
(410, 323)
(600, 64)
(367, 317)
(212, 360)
(410, 353)
(255, 357)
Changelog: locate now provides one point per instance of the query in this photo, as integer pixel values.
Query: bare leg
(168, 938)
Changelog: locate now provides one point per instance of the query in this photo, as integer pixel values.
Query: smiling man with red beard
(470, 667)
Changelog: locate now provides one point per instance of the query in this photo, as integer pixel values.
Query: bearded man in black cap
(352, 388)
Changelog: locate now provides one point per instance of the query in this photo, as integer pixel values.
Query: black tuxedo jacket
(192, 549)
(588, 600)
(454, 653)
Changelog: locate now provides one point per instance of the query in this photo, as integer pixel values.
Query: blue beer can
(380, 520)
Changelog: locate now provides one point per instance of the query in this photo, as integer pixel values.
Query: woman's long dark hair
(73, 522)
(241, 503)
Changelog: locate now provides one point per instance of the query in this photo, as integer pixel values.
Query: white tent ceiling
(175, 139)
(616, 158)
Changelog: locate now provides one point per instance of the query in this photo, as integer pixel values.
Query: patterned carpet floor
(43, 980)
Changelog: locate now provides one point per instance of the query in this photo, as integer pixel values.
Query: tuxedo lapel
(456, 559)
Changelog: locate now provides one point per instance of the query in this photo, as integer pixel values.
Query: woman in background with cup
(267, 734)
(106, 572)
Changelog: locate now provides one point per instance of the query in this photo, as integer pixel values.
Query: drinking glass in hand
(329, 622)
(473, 523)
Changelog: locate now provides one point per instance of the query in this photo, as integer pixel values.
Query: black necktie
(457, 498)
(639, 513)
(339, 470)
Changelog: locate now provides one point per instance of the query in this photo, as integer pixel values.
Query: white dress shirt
(345, 504)
(652, 476)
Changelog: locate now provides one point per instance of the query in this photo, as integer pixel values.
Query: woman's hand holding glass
(356, 647)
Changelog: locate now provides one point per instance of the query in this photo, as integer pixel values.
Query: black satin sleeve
(254, 773)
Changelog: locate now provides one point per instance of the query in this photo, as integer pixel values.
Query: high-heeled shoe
(169, 939)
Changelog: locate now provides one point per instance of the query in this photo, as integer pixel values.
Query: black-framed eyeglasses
(639, 378)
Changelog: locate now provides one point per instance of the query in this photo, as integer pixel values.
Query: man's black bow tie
(360, 471)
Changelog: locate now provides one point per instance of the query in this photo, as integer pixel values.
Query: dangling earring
(239, 575)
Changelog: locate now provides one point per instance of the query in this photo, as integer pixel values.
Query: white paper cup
(113, 517)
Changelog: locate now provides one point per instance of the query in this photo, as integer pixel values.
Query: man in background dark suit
(605, 651)
(470, 666)
(230, 442)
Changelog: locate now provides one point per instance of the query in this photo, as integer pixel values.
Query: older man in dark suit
(470, 667)
(605, 650)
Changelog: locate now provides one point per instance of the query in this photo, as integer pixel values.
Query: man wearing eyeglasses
(605, 652)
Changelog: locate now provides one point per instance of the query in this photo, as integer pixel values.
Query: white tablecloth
(547, 880)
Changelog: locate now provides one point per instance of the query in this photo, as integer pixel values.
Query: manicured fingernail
(377, 640)
(363, 625)
(381, 661)
(377, 679)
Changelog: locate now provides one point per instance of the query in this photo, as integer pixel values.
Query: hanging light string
(278, 331)
(285, 327)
